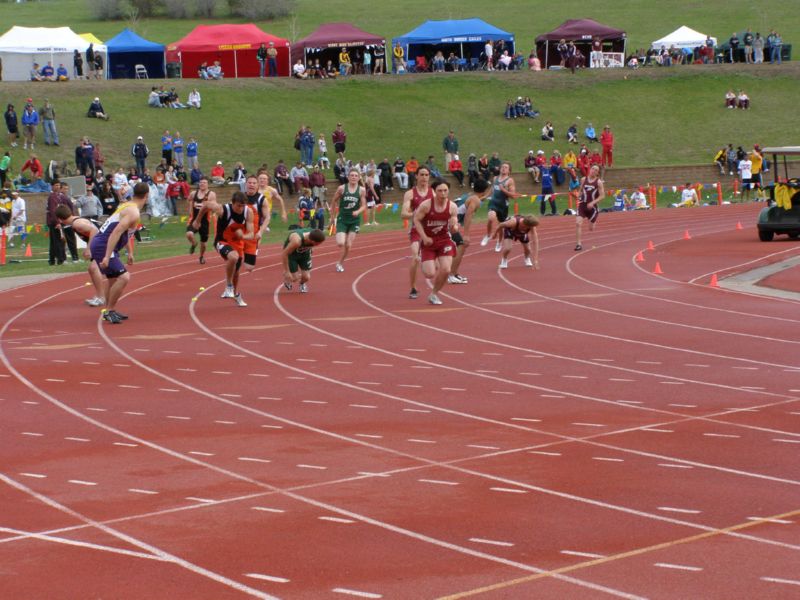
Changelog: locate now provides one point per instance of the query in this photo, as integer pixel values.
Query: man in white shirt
(89, 205)
(746, 173)
(299, 176)
(688, 197)
(299, 70)
(639, 200)
(215, 71)
(19, 217)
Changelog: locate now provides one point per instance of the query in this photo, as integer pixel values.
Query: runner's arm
(405, 210)
(279, 198)
(248, 221)
(334, 210)
(419, 214)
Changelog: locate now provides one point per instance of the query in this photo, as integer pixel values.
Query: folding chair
(473, 64)
(141, 72)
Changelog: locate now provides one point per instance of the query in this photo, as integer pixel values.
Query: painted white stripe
(686, 511)
(408, 385)
(336, 520)
(416, 410)
(414, 350)
(671, 382)
(697, 365)
(77, 439)
(89, 382)
(780, 580)
(746, 368)
(649, 362)
(171, 351)
(584, 554)
(550, 396)
(452, 352)
(508, 490)
(671, 466)
(369, 435)
(530, 374)
(270, 578)
(269, 398)
(575, 376)
(621, 379)
(654, 430)
(358, 593)
(314, 401)
(342, 362)
(203, 500)
(225, 422)
(590, 424)
(486, 371)
(608, 360)
(34, 475)
(302, 466)
(721, 435)
(768, 520)
(543, 453)
(418, 441)
(55, 380)
(491, 542)
(81, 482)
(258, 375)
(502, 392)
(179, 417)
(187, 370)
(480, 447)
(438, 482)
(170, 390)
(751, 387)
(363, 406)
(33, 434)
(140, 491)
(306, 360)
(683, 405)
(452, 389)
(32, 402)
(95, 409)
(133, 413)
(784, 441)
(130, 387)
(678, 567)
(126, 444)
(421, 367)
(198, 453)
(629, 402)
(526, 419)
(371, 474)
(268, 509)
(380, 365)
(231, 395)
(272, 426)
(90, 362)
(605, 458)
(250, 459)
(491, 353)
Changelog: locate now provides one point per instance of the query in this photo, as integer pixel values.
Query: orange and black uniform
(227, 226)
(195, 205)
(256, 204)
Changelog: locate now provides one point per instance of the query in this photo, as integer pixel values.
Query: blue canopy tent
(126, 50)
(465, 37)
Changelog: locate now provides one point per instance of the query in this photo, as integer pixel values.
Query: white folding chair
(141, 72)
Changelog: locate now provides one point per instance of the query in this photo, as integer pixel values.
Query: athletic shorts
(202, 231)
(224, 250)
(588, 213)
(459, 241)
(547, 192)
(413, 235)
(500, 210)
(516, 236)
(250, 259)
(440, 247)
(115, 267)
(299, 260)
(339, 147)
(343, 226)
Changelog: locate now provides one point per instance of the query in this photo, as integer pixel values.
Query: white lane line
(336, 520)
(221, 372)
(438, 482)
(751, 387)
(623, 379)
(319, 345)
(486, 371)
(409, 385)
(649, 362)
(416, 410)
(257, 375)
(34, 475)
(205, 354)
(419, 441)
(371, 474)
(526, 419)
(82, 482)
(629, 402)
(342, 362)
(421, 367)
(452, 352)
(780, 580)
(171, 390)
(696, 365)
(655, 430)
(55, 380)
(508, 490)
(272, 426)
(380, 365)
(583, 554)
(171, 351)
(414, 350)
(179, 417)
(89, 382)
(267, 509)
(122, 365)
(721, 435)
(77, 439)
(491, 353)
(746, 368)
(198, 453)
(286, 343)
(683, 405)
(684, 511)
(89, 362)
(491, 542)
(785, 441)
(134, 413)
(671, 466)
(140, 491)
(310, 360)
(225, 422)
(251, 459)
(319, 467)
(126, 444)
(550, 396)
(32, 402)
(481, 447)
(187, 370)
(606, 458)
(452, 389)
(231, 395)
(363, 406)
(531, 374)
(369, 435)
(357, 593)
(96, 409)
(270, 578)
(314, 401)
(769, 520)
(130, 387)
(589, 424)
(544, 453)
(575, 376)
(502, 392)
(369, 382)
(32, 434)
(607, 360)
(671, 382)
(677, 567)
(202, 500)
(269, 398)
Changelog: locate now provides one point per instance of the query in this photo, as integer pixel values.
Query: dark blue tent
(464, 37)
(126, 50)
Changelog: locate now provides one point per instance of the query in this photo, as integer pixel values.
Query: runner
(433, 220)
(234, 228)
(296, 256)
(503, 189)
(86, 229)
(197, 200)
(114, 234)
(349, 202)
(467, 205)
(261, 217)
(411, 200)
(589, 195)
(271, 194)
(521, 229)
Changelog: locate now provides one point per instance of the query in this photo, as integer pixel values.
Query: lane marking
(133, 413)
(452, 389)
(785, 441)
(722, 435)
(621, 379)
(685, 511)
(508, 490)
(270, 578)
(336, 520)
(32, 434)
(503, 393)
(369, 382)
(589, 424)
(544, 453)
(677, 567)
(481, 447)
(606, 458)
(171, 390)
(77, 439)
(140, 491)
(363, 406)
(225, 422)
(491, 542)
(126, 444)
(267, 509)
(584, 554)
(34, 475)
(671, 466)
(257, 375)
(438, 482)
(82, 482)
(251, 459)
(179, 417)
(369, 435)
(201, 500)
(416, 410)
(314, 401)
(780, 580)
(770, 520)
(526, 419)
(90, 383)
(198, 453)
(658, 430)
(358, 593)
(420, 441)
(319, 467)
(683, 405)
(409, 385)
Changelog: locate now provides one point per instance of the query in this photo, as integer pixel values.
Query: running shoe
(228, 293)
(434, 299)
(503, 263)
(288, 286)
(463, 279)
(578, 248)
(303, 288)
(485, 240)
(111, 317)
(528, 261)
(192, 248)
(96, 301)
(239, 300)
(453, 279)
(202, 260)
(119, 315)
(498, 246)
(413, 294)
(339, 268)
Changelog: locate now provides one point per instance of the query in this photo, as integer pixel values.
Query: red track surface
(585, 430)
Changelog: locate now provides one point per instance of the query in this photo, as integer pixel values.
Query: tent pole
(235, 66)
(546, 54)
(462, 49)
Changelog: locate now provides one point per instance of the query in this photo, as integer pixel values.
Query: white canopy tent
(684, 38)
(20, 47)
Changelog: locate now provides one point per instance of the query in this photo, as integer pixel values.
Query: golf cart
(782, 216)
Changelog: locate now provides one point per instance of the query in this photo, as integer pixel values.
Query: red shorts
(588, 213)
(440, 247)
(413, 235)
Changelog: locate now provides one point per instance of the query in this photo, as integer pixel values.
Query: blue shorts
(115, 267)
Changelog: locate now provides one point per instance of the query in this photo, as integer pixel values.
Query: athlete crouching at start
(234, 227)
(434, 220)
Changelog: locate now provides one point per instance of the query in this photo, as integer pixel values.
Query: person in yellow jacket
(399, 58)
(758, 164)
(720, 159)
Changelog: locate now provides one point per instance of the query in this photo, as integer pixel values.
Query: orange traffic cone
(739, 226)
(713, 282)
(28, 252)
(686, 235)
(639, 257)
(657, 269)
(650, 246)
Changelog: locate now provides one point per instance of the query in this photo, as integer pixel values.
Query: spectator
(748, 46)
(87, 156)
(47, 113)
(456, 169)
(77, 65)
(719, 160)
(730, 99)
(19, 217)
(590, 133)
(119, 183)
(107, 197)
(607, 142)
(283, 179)
(195, 175)
(379, 54)
(34, 166)
(450, 147)
(218, 173)
(215, 71)
(30, 120)
(307, 146)
(96, 110)
(688, 197)
(510, 111)
(431, 164)
(330, 70)
(385, 174)
(191, 154)
(239, 175)
(639, 200)
(531, 167)
(548, 133)
(758, 49)
(48, 73)
(140, 152)
(742, 100)
(504, 63)
(400, 173)
(89, 205)
(775, 47)
(194, 99)
(305, 204)
(345, 65)
(534, 64)
(732, 159)
(473, 173)
(398, 56)
(5, 165)
(202, 70)
(299, 70)
(411, 168)
(61, 73)
(322, 145)
(367, 61)
(299, 176)
(98, 65)
(572, 134)
(154, 99)
(58, 236)
(177, 190)
(733, 43)
(12, 125)
(261, 57)
(272, 60)
(339, 138)
(488, 53)
(316, 181)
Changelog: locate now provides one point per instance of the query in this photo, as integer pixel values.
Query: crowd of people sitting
(159, 97)
(734, 100)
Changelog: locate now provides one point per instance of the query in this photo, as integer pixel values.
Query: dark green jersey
(349, 202)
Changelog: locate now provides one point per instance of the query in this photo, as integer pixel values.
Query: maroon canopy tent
(582, 32)
(326, 41)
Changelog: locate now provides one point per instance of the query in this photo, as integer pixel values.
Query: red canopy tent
(580, 31)
(234, 46)
(328, 38)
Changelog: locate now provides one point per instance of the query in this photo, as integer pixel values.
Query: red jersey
(589, 190)
(227, 226)
(416, 199)
(436, 223)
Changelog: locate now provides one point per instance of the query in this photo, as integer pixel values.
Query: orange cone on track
(714, 282)
(639, 257)
(657, 269)
(686, 235)
(739, 226)
(28, 252)
(650, 246)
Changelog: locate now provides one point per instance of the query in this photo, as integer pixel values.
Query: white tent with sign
(20, 47)
(683, 38)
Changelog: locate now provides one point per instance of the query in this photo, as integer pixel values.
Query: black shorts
(500, 211)
(202, 231)
(12, 129)
(459, 241)
(339, 147)
(224, 250)
(250, 259)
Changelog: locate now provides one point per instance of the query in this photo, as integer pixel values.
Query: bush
(143, 8)
(107, 10)
(180, 9)
(260, 10)
(206, 8)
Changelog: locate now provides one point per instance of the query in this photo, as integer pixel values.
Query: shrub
(107, 10)
(180, 9)
(260, 10)
(206, 8)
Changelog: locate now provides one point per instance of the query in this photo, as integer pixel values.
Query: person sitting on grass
(218, 173)
(61, 73)
(96, 110)
(743, 100)
(688, 197)
(48, 73)
(730, 99)
(194, 99)
(299, 70)
(35, 75)
(590, 133)
(215, 71)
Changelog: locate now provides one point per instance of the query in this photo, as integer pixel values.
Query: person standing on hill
(450, 147)
(48, 115)
(90, 62)
(30, 120)
(339, 138)
(140, 152)
(607, 142)
(261, 56)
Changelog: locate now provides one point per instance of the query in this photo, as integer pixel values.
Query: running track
(586, 430)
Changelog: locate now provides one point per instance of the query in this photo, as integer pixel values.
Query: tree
(261, 10)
